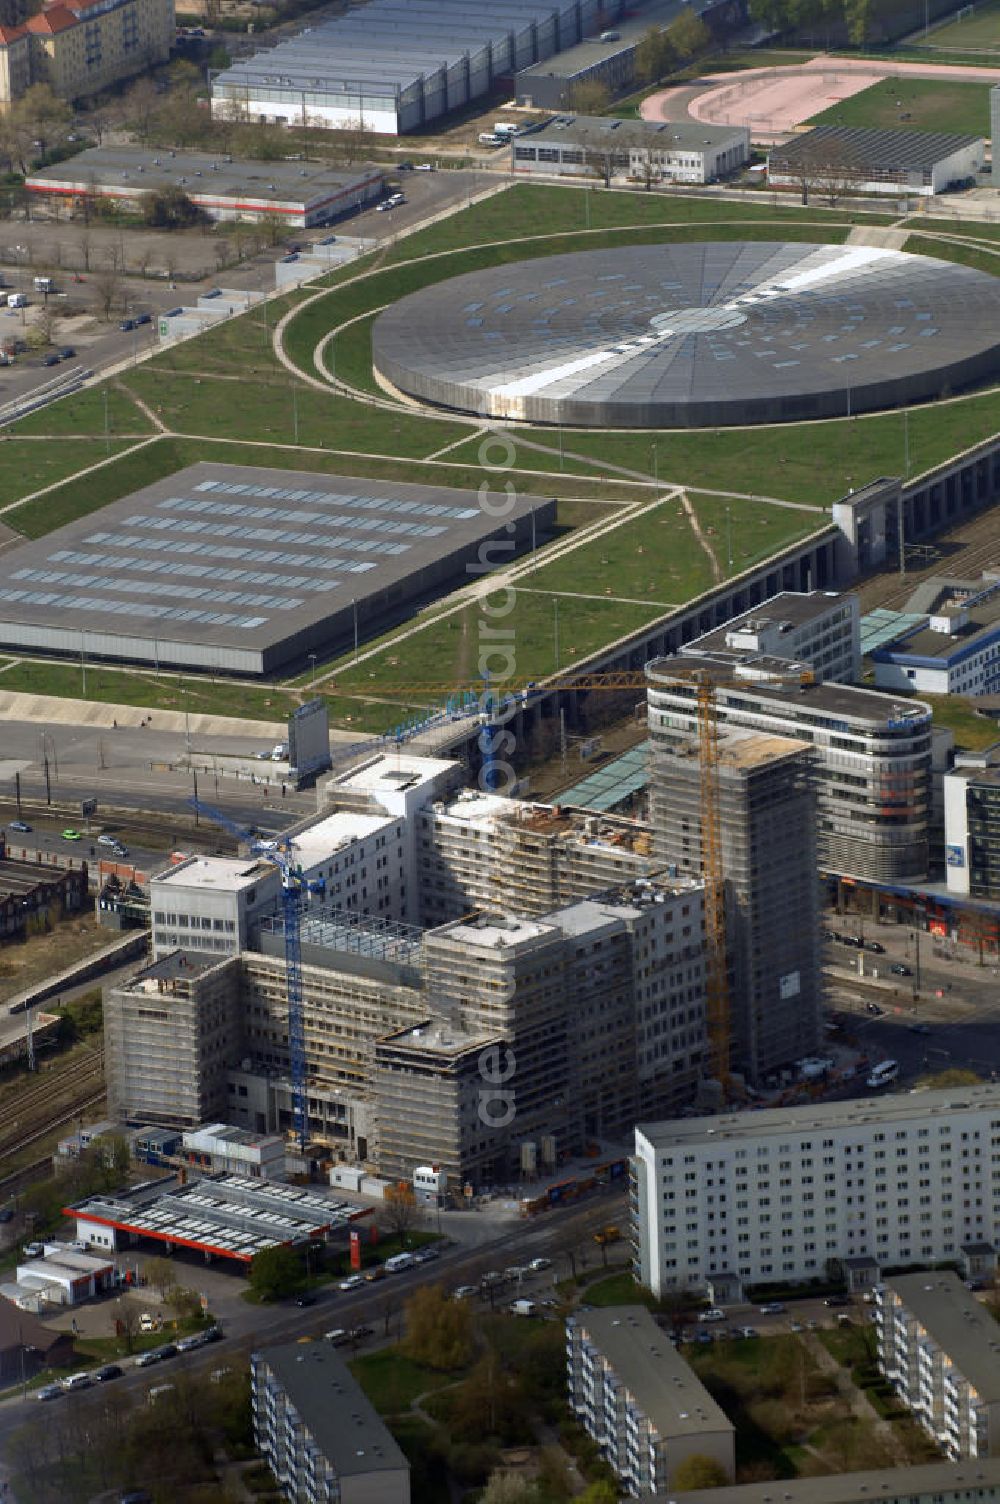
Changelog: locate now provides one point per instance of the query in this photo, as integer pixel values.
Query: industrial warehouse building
(244, 570)
(861, 160)
(653, 151)
(608, 57)
(397, 65)
(34, 897)
(299, 194)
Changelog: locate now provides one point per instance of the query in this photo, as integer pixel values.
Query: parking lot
(161, 270)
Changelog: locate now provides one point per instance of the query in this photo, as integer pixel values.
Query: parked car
(107, 840)
(373, 1274)
(126, 325)
(338, 1336)
(352, 1282)
(874, 1010)
(51, 359)
(142, 318)
(77, 1381)
(712, 1315)
(49, 1392)
(359, 1333)
(836, 1300)
(148, 1322)
(772, 1308)
(107, 1373)
(307, 1298)
(425, 167)
(71, 835)
(537, 1265)
(876, 947)
(67, 353)
(899, 970)
(465, 1292)
(21, 826)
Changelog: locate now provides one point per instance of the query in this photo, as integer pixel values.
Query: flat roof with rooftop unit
(227, 1216)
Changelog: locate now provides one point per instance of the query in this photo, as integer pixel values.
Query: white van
(44, 284)
(17, 300)
(884, 1074)
(397, 1262)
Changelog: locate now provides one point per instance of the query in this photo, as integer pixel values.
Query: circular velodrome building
(699, 335)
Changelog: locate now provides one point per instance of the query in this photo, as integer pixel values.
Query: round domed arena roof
(702, 334)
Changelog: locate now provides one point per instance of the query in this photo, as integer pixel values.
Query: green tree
(601, 1492)
(589, 97)
(114, 1157)
(654, 56)
(275, 1273)
(688, 35)
(438, 1330)
(699, 1471)
(856, 13)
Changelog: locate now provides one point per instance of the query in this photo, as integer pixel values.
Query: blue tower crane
(294, 890)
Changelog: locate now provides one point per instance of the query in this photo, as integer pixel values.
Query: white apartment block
(772, 1195)
(819, 628)
(640, 1399)
(939, 1347)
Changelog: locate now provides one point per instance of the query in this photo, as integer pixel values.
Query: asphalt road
(248, 1326)
(132, 768)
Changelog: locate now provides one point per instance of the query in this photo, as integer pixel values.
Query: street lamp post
(312, 661)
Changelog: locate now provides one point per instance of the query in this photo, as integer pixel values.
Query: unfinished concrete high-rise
(767, 834)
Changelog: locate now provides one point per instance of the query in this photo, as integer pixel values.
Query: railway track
(51, 1103)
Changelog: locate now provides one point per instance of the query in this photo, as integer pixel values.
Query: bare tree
(402, 1210)
(108, 289)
